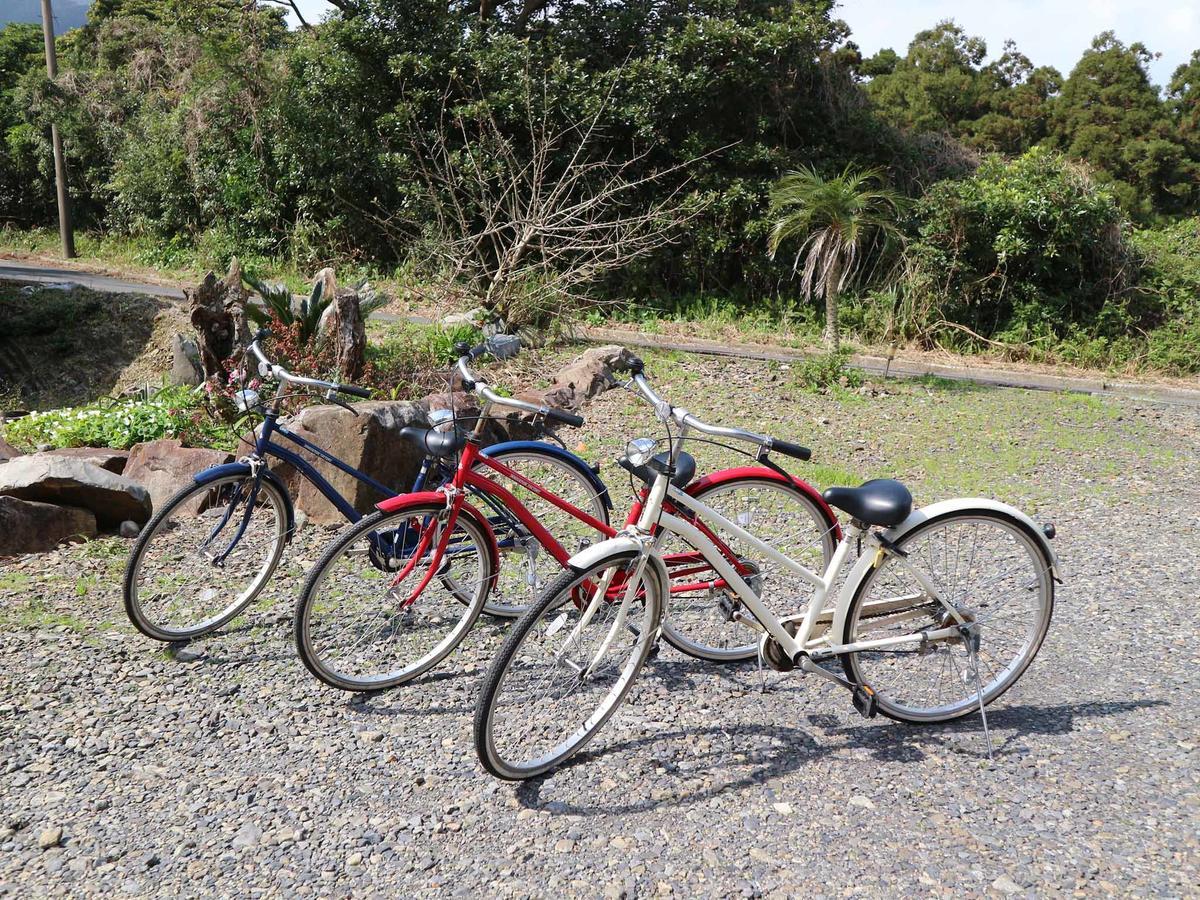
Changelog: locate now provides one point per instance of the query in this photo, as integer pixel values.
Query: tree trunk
(349, 336)
(831, 337)
(215, 326)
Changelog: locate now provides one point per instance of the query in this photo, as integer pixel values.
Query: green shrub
(830, 372)
(1018, 252)
(175, 412)
(412, 360)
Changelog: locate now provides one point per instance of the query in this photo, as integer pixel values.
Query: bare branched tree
(529, 222)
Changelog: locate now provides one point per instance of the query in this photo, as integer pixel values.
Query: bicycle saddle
(880, 501)
(441, 444)
(685, 468)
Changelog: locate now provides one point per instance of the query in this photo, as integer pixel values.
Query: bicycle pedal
(864, 701)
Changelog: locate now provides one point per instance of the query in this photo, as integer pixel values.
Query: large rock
(30, 527)
(75, 482)
(111, 460)
(368, 439)
(588, 376)
(186, 366)
(163, 467)
(7, 451)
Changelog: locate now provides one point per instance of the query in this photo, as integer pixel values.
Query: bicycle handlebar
(471, 383)
(283, 375)
(666, 412)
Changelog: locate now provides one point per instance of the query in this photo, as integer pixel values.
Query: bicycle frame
(265, 447)
(469, 478)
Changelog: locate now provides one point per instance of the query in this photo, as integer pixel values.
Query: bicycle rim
(996, 573)
(559, 678)
(190, 571)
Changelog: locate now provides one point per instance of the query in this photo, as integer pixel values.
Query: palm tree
(840, 221)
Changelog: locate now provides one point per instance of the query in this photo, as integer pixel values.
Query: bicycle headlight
(640, 450)
(246, 399)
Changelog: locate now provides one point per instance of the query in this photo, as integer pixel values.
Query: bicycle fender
(738, 473)
(240, 468)
(924, 514)
(621, 544)
(421, 498)
(556, 451)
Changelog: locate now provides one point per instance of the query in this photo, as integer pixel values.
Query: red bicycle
(375, 614)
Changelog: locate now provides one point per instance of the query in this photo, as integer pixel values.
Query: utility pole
(65, 231)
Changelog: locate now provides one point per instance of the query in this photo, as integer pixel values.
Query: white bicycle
(943, 611)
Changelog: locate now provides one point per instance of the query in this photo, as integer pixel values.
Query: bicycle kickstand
(971, 639)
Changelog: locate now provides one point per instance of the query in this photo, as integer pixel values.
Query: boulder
(27, 526)
(75, 482)
(186, 366)
(164, 467)
(367, 439)
(588, 376)
(7, 451)
(112, 460)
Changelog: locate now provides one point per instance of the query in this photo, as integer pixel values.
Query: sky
(1049, 32)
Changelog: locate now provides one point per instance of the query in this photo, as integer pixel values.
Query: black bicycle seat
(685, 468)
(441, 444)
(879, 502)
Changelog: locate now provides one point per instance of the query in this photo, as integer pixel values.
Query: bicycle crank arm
(862, 696)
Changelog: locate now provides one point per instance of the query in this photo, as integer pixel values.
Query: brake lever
(331, 397)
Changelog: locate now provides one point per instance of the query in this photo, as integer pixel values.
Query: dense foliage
(171, 413)
(208, 125)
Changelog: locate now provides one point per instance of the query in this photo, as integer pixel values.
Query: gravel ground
(223, 768)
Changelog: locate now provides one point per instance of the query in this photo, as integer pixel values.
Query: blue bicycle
(212, 548)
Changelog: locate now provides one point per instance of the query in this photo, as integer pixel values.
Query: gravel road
(222, 768)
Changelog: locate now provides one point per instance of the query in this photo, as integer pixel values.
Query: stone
(108, 459)
(75, 482)
(367, 439)
(588, 376)
(51, 837)
(186, 367)
(27, 526)
(129, 529)
(7, 451)
(165, 466)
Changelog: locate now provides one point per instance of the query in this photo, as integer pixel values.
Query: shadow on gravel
(395, 701)
(895, 742)
(790, 749)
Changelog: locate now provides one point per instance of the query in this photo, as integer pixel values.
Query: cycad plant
(278, 306)
(843, 223)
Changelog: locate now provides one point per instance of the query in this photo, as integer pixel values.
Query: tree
(1018, 101)
(1110, 115)
(1183, 93)
(843, 223)
(937, 86)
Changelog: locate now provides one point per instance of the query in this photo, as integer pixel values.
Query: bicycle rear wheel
(528, 567)
(377, 612)
(995, 572)
(204, 557)
(563, 670)
(776, 512)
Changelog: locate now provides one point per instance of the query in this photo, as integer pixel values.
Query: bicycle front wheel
(381, 608)
(995, 572)
(566, 666)
(204, 557)
(778, 513)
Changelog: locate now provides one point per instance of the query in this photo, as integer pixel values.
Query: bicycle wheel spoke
(996, 579)
(365, 623)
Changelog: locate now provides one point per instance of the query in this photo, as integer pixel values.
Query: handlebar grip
(461, 349)
(261, 334)
(353, 391)
(787, 448)
(565, 417)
